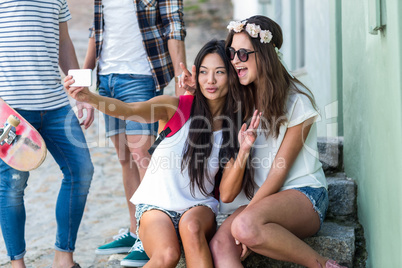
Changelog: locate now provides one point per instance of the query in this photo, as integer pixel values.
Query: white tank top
(122, 48)
(166, 186)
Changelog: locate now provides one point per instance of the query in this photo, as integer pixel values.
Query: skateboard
(21, 145)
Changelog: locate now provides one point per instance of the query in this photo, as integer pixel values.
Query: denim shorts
(140, 209)
(128, 88)
(319, 199)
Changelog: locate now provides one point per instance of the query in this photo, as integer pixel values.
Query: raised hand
(247, 136)
(81, 94)
(186, 79)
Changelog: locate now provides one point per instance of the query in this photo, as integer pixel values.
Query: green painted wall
(372, 101)
(335, 47)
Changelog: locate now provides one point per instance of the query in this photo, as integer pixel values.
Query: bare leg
(275, 226)
(224, 250)
(18, 263)
(133, 155)
(63, 259)
(196, 227)
(159, 239)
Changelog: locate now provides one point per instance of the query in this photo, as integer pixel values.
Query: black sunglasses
(242, 54)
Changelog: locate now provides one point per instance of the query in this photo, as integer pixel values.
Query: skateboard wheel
(13, 120)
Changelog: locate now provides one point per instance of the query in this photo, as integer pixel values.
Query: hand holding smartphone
(82, 77)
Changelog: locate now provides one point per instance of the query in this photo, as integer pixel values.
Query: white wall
(316, 74)
(243, 9)
(318, 65)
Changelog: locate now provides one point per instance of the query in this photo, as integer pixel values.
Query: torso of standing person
(157, 24)
(29, 53)
(123, 51)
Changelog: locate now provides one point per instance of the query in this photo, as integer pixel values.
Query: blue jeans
(128, 88)
(65, 141)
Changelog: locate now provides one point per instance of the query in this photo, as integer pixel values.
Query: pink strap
(181, 115)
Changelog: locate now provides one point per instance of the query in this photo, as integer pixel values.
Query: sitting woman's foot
(331, 264)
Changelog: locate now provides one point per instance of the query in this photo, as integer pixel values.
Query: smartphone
(82, 77)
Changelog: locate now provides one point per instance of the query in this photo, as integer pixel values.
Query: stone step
(331, 153)
(342, 193)
(334, 240)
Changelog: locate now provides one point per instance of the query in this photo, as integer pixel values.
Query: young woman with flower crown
(291, 198)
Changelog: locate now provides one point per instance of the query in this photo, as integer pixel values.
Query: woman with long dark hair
(291, 198)
(175, 199)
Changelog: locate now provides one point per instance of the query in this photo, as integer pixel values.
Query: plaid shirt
(159, 21)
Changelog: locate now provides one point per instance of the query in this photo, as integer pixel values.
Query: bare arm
(68, 60)
(232, 177)
(171, 12)
(90, 57)
(178, 54)
(290, 148)
(67, 57)
(159, 108)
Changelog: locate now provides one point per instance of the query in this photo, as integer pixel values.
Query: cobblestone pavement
(106, 210)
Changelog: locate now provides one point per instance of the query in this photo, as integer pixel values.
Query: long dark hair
(274, 82)
(199, 144)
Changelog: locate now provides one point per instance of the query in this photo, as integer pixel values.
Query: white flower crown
(252, 29)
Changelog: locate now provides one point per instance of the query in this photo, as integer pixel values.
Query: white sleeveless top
(306, 170)
(166, 186)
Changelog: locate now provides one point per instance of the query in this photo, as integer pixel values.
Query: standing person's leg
(12, 212)
(275, 225)
(196, 227)
(224, 250)
(132, 151)
(131, 140)
(12, 208)
(66, 142)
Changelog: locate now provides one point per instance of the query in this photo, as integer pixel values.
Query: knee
(245, 230)
(219, 244)
(89, 172)
(79, 176)
(12, 189)
(125, 161)
(191, 228)
(85, 173)
(169, 257)
(141, 156)
(85, 164)
(78, 169)
(13, 184)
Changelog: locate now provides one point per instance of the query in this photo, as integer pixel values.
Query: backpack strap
(179, 118)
